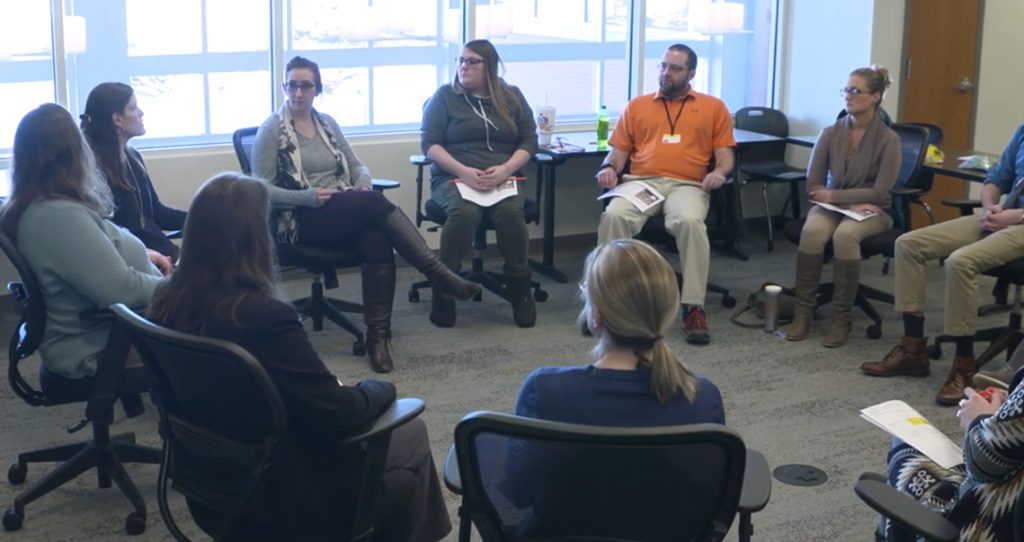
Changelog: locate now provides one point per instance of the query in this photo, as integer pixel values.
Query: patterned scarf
(290, 174)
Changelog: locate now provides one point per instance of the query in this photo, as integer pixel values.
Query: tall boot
(959, 376)
(524, 311)
(378, 299)
(846, 278)
(808, 276)
(410, 245)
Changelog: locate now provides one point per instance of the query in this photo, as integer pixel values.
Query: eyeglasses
(672, 68)
(305, 86)
(852, 91)
(469, 61)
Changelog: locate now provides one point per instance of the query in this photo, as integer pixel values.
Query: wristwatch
(606, 165)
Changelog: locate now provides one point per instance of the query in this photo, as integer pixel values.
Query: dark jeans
(463, 218)
(349, 221)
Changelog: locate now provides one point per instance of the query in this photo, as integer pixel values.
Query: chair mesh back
(913, 147)
(543, 486)
(220, 414)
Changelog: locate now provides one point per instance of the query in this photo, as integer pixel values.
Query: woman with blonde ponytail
(630, 301)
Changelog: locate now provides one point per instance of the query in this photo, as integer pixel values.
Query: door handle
(965, 85)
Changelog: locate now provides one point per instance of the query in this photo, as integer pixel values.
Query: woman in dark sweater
(112, 117)
(854, 165)
(224, 288)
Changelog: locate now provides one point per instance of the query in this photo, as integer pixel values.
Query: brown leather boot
(846, 277)
(909, 358)
(959, 376)
(378, 300)
(808, 276)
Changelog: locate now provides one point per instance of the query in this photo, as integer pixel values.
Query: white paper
(487, 198)
(903, 422)
(639, 193)
(856, 215)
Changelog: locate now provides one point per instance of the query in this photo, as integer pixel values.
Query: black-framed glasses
(852, 91)
(305, 86)
(469, 61)
(672, 68)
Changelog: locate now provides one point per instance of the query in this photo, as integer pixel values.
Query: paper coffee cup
(545, 123)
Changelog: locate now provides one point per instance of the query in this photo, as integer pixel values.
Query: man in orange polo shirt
(671, 139)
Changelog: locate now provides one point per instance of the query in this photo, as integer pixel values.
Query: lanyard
(672, 122)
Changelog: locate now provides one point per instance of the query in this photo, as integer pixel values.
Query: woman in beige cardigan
(854, 165)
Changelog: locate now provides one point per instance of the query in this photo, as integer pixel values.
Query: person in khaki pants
(854, 165)
(971, 245)
(671, 138)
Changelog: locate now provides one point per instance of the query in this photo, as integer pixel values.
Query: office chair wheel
(874, 331)
(935, 351)
(540, 296)
(414, 296)
(135, 524)
(13, 520)
(358, 348)
(17, 473)
(728, 301)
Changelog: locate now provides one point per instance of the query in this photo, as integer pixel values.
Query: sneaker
(999, 378)
(695, 326)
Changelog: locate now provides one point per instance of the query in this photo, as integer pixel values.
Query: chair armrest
(399, 413)
(452, 478)
(172, 234)
(904, 191)
(966, 206)
(757, 483)
(384, 184)
(904, 510)
(419, 160)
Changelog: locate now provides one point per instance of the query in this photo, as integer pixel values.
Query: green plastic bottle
(602, 127)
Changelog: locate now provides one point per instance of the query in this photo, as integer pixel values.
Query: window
(203, 68)
(26, 71)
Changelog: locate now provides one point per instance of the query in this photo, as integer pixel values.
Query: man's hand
(607, 178)
(999, 220)
(866, 208)
(712, 181)
(163, 263)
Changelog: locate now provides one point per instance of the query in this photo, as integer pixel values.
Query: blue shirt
(1010, 169)
(592, 396)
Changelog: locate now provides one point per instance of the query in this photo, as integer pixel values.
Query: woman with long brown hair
(224, 288)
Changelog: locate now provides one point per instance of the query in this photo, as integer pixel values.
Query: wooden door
(940, 72)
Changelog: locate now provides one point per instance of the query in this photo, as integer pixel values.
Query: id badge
(671, 139)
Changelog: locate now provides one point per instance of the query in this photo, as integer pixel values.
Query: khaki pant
(685, 208)
(968, 252)
(845, 233)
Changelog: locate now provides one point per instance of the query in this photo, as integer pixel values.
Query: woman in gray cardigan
(58, 216)
(854, 165)
(322, 196)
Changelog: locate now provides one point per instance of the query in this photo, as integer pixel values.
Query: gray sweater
(449, 120)
(83, 262)
(317, 162)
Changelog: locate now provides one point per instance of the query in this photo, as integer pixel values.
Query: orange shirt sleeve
(623, 137)
(723, 136)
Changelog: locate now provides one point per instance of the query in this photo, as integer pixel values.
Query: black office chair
(433, 212)
(529, 479)
(321, 263)
(212, 460)
(765, 163)
(104, 453)
(909, 188)
(909, 518)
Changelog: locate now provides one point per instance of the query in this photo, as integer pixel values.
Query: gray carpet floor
(794, 402)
